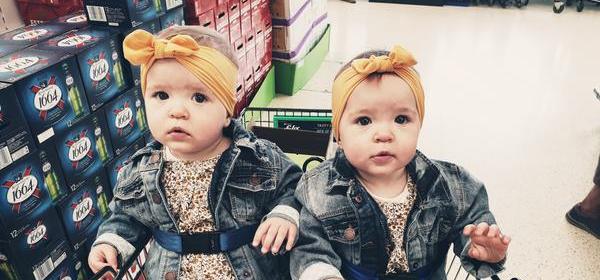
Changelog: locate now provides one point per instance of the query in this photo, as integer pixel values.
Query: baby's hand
(272, 232)
(102, 255)
(488, 244)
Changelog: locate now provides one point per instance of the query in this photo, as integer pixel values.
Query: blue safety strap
(356, 272)
(206, 242)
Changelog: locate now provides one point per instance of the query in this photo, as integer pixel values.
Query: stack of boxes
(297, 25)
(37, 11)
(247, 26)
(70, 114)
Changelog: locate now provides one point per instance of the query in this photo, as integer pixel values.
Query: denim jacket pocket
(131, 197)
(249, 193)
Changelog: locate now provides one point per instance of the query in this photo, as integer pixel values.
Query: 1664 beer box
(35, 248)
(29, 186)
(49, 89)
(126, 119)
(84, 149)
(15, 139)
(73, 21)
(84, 210)
(33, 34)
(100, 60)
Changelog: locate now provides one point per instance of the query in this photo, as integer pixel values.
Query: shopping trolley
(304, 132)
(131, 269)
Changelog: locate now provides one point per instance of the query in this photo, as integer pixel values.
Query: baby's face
(182, 114)
(380, 126)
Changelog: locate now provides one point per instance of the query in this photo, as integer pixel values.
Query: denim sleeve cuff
(478, 268)
(320, 271)
(285, 212)
(123, 246)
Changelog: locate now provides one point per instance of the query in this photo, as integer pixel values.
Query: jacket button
(156, 198)
(358, 199)
(254, 180)
(415, 265)
(246, 273)
(349, 233)
(170, 275)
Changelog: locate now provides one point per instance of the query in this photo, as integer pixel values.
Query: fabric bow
(217, 72)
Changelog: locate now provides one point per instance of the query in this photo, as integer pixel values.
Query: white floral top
(186, 185)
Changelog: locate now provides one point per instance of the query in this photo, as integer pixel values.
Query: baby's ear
(227, 122)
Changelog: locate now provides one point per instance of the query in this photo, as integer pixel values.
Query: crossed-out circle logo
(19, 64)
(123, 118)
(47, 96)
(82, 209)
(76, 19)
(39, 233)
(31, 34)
(80, 150)
(23, 192)
(75, 40)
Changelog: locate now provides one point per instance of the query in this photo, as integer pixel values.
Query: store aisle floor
(508, 96)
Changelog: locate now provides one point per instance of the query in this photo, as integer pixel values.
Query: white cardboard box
(9, 16)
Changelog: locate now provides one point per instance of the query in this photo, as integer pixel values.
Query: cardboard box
(15, 137)
(121, 14)
(84, 149)
(6, 49)
(290, 78)
(31, 35)
(35, 249)
(126, 119)
(288, 9)
(234, 9)
(164, 6)
(206, 19)
(100, 59)
(34, 12)
(84, 210)
(114, 166)
(49, 89)
(173, 17)
(235, 29)
(9, 16)
(75, 20)
(194, 8)
(246, 21)
(222, 18)
(29, 187)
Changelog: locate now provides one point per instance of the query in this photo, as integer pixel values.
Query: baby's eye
(401, 119)
(199, 97)
(363, 120)
(161, 95)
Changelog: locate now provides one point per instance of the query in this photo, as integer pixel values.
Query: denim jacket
(253, 179)
(340, 222)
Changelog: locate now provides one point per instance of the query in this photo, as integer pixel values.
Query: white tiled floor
(509, 96)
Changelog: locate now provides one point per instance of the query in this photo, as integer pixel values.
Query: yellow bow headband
(212, 68)
(399, 62)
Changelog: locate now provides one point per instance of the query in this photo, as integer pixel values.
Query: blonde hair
(204, 37)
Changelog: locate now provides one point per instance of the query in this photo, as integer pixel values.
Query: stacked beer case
(247, 26)
(70, 111)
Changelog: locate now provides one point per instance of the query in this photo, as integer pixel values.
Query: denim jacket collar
(423, 172)
(235, 131)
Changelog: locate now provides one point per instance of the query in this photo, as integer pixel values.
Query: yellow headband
(211, 67)
(399, 62)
